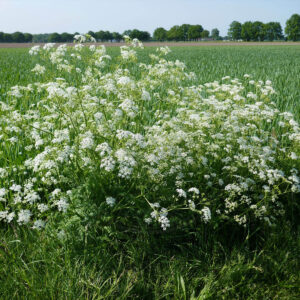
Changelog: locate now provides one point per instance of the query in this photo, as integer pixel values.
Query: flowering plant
(149, 142)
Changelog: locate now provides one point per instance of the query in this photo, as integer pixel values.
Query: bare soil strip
(159, 44)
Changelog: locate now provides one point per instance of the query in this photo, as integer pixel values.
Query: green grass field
(140, 264)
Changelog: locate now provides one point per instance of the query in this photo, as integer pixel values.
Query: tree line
(258, 31)
(248, 31)
(101, 36)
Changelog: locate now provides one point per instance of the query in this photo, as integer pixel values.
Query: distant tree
(18, 37)
(258, 31)
(135, 34)
(7, 38)
(235, 29)
(92, 33)
(103, 36)
(273, 31)
(54, 38)
(194, 32)
(175, 33)
(247, 31)
(215, 34)
(28, 37)
(117, 36)
(160, 34)
(66, 37)
(145, 36)
(99, 35)
(292, 28)
(140, 35)
(40, 38)
(127, 32)
(1, 37)
(108, 36)
(205, 34)
(184, 28)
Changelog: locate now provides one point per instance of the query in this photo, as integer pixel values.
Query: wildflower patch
(173, 148)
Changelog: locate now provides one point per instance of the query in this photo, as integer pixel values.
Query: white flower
(124, 80)
(80, 38)
(146, 96)
(56, 192)
(48, 46)
(38, 224)
(34, 50)
(110, 201)
(148, 220)
(191, 204)
(294, 155)
(62, 204)
(31, 197)
(206, 214)
(42, 207)
(88, 141)
(10, 217)
(38, 69)
(98, 116)
(24, 216)
(16, 188)
(181, 193)
(194, 190)
(2, 192)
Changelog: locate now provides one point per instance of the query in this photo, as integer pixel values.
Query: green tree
(40, 38)
(108, 36)
(18, 37)
(54, 38)
(160, 34)
(1, 37)
(92, 33)
(7, 38)
(184, 28)
(100, 35)
(145, 36)
(103, 36)
(66, 37)
(273, 31)
(205, 34)
(292, 28)
(28, 37)
(194, 32)
(258, 31)
(135, 34)
(175, 33)
(127, 32)
(215, 34)
(140, 35)
(247, 31)
(117, 36)
(235, 29)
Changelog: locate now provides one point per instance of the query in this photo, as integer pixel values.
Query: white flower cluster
(221, 149)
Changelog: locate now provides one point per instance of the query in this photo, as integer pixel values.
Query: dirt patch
(159, 44)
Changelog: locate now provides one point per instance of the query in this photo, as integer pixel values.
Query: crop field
(280, 64)
(149, 173)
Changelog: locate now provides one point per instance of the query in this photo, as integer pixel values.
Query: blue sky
(40, 16)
